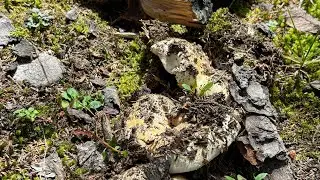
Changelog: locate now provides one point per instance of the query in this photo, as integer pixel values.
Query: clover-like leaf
(73, 93)
(261, 176)
(65, 104)
(95, 104)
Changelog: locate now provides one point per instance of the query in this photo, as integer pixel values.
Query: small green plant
(29, 114)
(72, 98)
(192, 90)
(303, 55)
(187, 88)
(260, 176)
(38, 20)
(206, 88)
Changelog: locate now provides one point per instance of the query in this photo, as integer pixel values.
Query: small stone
(50, 167)
(98, 82)
(25, 50)
(73, 113)
(72, 15)
(44, 70)
(89, 157)
(5, 29)
(81, 64)
(111, 98)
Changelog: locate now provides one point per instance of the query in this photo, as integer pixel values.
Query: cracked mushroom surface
(190, 132)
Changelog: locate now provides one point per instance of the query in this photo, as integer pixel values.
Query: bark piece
(303, 21)
(188, 12)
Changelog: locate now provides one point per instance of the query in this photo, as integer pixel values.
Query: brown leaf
(248, 153)
(292, 154)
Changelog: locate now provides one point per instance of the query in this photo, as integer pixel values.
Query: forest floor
(34, 121)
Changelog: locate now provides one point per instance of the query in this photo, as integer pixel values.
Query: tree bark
(187, 12)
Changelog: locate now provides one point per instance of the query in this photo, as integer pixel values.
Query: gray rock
(25, 50)
(73, 14)
(50, 167)
(89, 158)
(264, 138)
(265, 6)
(282, 173)
(257, 94)
(243, 99)
(44, 70)
(5, 29)
(303, 21)
(111, 99)
(247, 91)
(242, 75)
(73, 113)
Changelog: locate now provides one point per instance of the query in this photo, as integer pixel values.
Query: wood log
(187, 12)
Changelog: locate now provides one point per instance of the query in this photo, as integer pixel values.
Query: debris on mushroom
(202, 129)
(190, 65)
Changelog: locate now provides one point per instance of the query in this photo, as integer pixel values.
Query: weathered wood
(186, 12)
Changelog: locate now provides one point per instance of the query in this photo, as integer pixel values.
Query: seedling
(72, 98)
(192, 90)
(29, 114)
(38, 20)
(260, 176)
(206, 88)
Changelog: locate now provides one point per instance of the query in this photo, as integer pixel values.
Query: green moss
(64, 147)
(302, 110)
(219, 20)
(80, 26)
(240, 7)
(21, 32)
(80, 171)
(130, 75)
(312, 7)
(177, 28)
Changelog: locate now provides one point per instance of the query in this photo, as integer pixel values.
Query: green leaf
(65, 96)
(260, 176)
(95, 104)
(73, 93)
(86, 100)
(229, 178)
(125, 153)
(77, 105)
(64, 104)
(186, 87)
(239, 177)
(312, 62)
(206, 88)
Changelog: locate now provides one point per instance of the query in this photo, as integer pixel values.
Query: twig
(19, 86)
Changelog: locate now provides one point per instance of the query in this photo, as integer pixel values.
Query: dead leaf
(248, 153)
